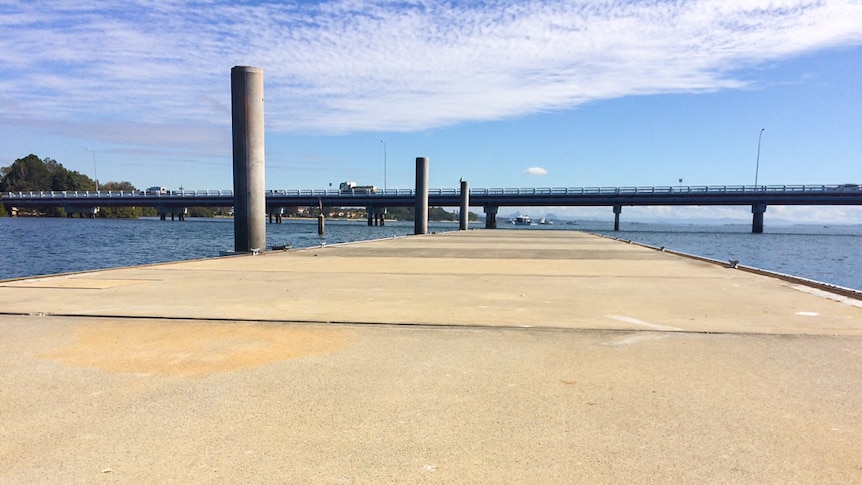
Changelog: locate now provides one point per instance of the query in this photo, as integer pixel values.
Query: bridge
(490, 199)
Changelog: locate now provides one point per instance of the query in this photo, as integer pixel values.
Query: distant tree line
(434, 214)
(32, 173)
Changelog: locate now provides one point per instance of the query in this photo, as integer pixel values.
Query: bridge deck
(481, 356)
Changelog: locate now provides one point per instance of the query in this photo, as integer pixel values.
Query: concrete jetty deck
(471, 357)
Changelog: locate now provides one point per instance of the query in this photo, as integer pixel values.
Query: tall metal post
(384, 165)
(248, 159)
(465, 206)
(95, 172)
(757, 165)
(420, 211)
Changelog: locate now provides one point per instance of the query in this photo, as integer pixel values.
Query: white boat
(522, 221)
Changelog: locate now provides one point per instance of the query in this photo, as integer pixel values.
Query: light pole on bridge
(757, 167)
(384, 165)
(95, 173)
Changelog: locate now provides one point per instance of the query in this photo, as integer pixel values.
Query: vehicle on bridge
(353, 188)
(156, 191)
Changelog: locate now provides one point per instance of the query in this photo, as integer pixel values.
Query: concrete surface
(472, 357)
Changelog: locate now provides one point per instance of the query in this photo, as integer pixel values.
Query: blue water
(830, 254)
(38, 246)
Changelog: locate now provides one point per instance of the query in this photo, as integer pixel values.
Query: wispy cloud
(343, 66)
(536, 171)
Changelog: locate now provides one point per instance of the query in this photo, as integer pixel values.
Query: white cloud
(342, 66)
(536, 171)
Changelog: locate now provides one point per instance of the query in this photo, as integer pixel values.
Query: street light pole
(384, 165)
(757, 167)
(95, 173)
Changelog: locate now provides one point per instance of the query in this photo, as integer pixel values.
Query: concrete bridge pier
(275, 212)
(175, 212)
(618, 209)
(376, 217)
(757, 220)
(491, 216)
(420, 213)
(464, 218)
(88, 212)
(249, 227)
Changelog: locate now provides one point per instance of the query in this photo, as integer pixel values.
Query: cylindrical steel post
(321, 223)
(420, 211)
(465, 205)
(249, 225)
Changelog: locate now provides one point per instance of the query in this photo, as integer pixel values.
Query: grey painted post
(249, 225)
(420, 211)
(617, 210)
(757, 221)
(465, 206)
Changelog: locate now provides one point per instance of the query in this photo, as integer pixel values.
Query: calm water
(37, 246)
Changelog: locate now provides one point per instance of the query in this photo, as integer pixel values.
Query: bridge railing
(83, 194)
(550, 191)
(200, 193)
(666, 189)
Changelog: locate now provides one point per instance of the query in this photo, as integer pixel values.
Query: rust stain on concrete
(193, 349)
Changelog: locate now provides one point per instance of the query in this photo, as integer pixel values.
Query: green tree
(25, 174)
(120, 212)
(33, 174)
(400, 213)
(201, 212)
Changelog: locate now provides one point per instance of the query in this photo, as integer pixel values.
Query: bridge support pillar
(276, 213)
(369, 212)
(175, 212)
(464, 218)
(618, 209)
(83, 212)
(491, 216)
(757, 220)
(249, 225)
(420, 212)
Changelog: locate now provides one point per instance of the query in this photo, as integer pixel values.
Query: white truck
(353, 188)
(156, 191)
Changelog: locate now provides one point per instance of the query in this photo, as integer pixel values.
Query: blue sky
(503, 94)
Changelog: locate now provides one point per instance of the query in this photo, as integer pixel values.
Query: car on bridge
(156, 191)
